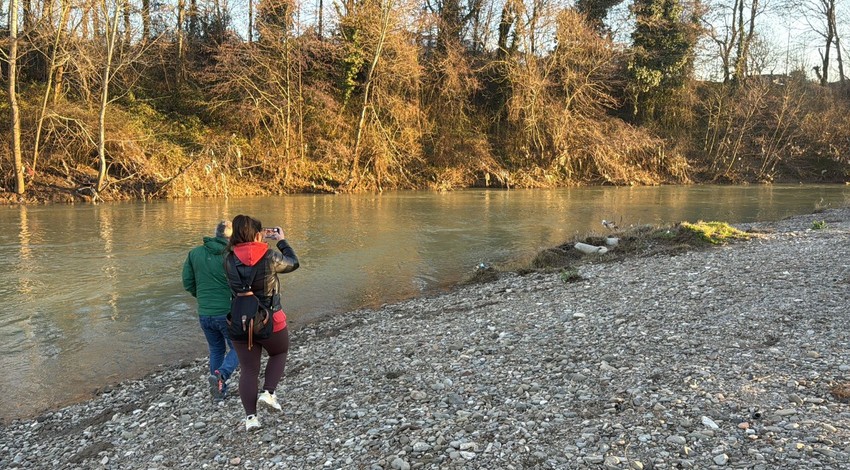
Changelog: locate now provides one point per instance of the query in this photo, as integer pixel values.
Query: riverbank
(722, 357)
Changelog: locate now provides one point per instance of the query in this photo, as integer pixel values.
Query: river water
(91, 294)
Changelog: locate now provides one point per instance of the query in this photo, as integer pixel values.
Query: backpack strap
(246, 287)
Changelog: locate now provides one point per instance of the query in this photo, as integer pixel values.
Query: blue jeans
(215, 329)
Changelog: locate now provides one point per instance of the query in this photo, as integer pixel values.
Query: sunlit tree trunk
(51, 71)
(95, 22)
(84, 22)
(250, 21)
(181, 39)
(354, 171)
(110, 38)
(15, 118)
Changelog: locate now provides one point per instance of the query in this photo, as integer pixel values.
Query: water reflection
(92, 294)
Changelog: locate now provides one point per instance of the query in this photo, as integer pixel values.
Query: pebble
(400, 464)
(669, 354)
(721, 459)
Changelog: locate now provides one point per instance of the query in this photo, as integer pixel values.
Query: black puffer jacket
(269, 264)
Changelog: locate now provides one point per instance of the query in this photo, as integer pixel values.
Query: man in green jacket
(204, 278)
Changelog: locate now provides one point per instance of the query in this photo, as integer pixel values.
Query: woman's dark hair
(245, 229)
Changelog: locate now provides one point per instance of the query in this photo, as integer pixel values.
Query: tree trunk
(3, 64)
(13, 98)
(84, 22)
(829, 39)
(111, 36)
(28, 17)
(740, 62)
(146, 20)
(747, 40)
(837, 41)
(95, 23)
(181, 35)
(321, 16)
(288, 129)
(66, 7)
(193, 19)
(354, 171)
(127, 25)
(250, 21)
(59, 76)
(505, 23)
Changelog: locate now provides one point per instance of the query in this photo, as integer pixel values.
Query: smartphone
(269, 232)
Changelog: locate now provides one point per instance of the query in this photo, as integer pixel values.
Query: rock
(421, 446)
(677, 440)
(709, 423)
(400, 464)
(721, 459)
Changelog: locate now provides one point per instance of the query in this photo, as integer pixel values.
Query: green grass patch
(570, 275)
(819, 225)
(716, 233)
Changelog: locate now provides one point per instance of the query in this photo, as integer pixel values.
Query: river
(91, 294)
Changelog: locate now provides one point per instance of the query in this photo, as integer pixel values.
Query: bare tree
(15, 117)
(113, 60)
(250, 21)
(733, 29)
(821, 17)
(110, 16)
(354, 171)
(746, 30)
(51, 72)
(181, 40)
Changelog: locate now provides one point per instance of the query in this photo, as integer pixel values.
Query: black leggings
(277, 345)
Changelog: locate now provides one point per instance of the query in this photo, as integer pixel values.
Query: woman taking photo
(252, 269)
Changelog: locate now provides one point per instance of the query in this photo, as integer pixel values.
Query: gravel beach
(722, 358)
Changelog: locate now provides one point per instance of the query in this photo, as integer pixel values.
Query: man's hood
(215, 245)
(250, 253)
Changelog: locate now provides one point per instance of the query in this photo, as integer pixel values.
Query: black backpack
(248, 318)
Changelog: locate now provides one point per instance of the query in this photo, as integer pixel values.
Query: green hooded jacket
(204, 277)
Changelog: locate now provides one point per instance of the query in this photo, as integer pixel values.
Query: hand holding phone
(274, 233)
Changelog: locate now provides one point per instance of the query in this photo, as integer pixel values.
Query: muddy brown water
(91, 294)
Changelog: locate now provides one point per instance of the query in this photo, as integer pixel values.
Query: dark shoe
(217, 386)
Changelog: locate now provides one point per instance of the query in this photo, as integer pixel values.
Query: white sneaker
(269, 400)
(252, 422)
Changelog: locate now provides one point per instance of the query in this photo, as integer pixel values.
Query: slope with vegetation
(123, 99)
